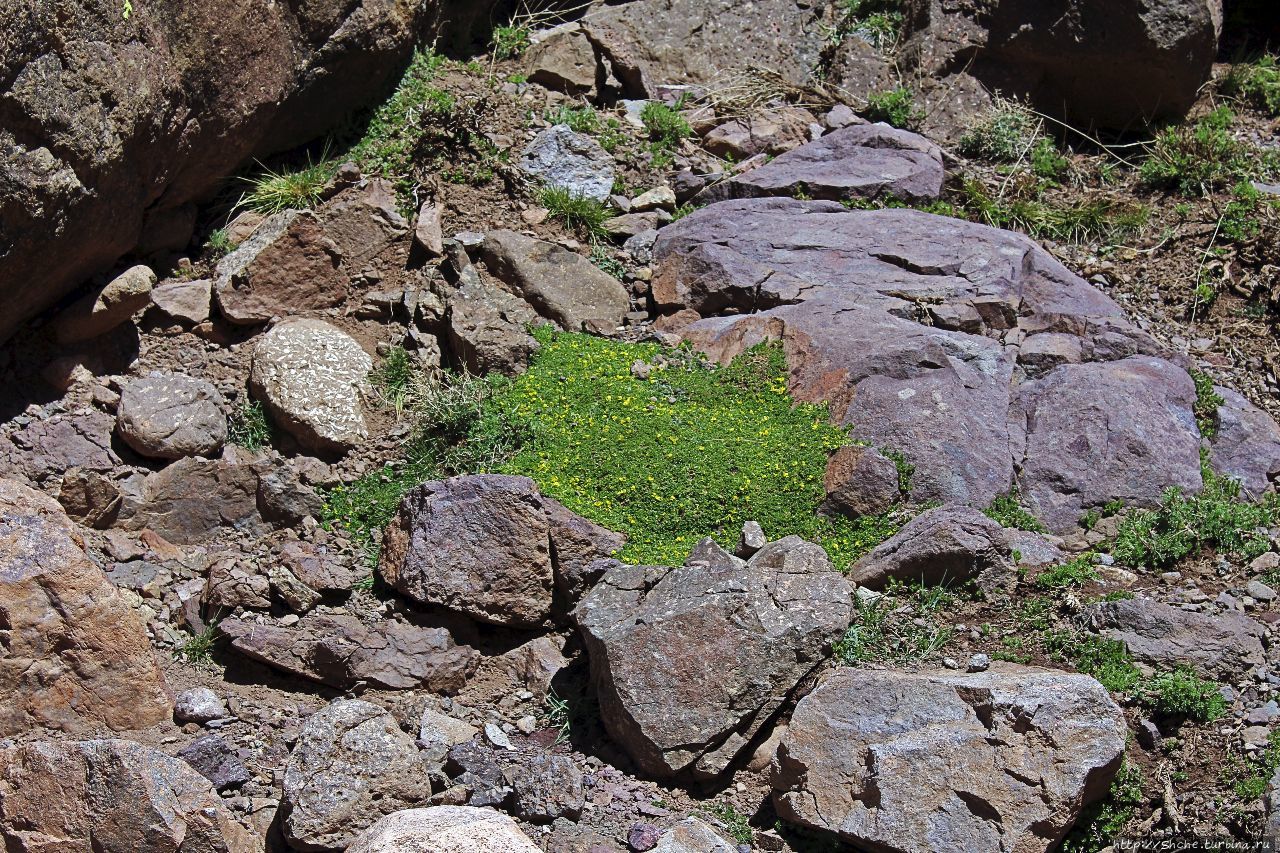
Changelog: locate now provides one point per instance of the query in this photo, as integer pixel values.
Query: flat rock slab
(862, 161)
(444, 829)
(691, 663)
(351, 766)
(968, 349)
(340, 650)
(573, 162)
(1217, 645)
(1003, 760)
(560, 285)
(75, 654)
(310, 376)
(113, 796)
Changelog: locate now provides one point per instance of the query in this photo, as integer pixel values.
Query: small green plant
(666, 125)
(1008, 511)
(1249, 213)
(364, 507)
(558, 717)
(1104, 821)
(1048, 162)
(1257, 83)
(1200, 158)
(896, 107)
(579, 213)
(126, 9)
(682, 211)
(894, 629)
(218, 245)
(603, 260)
(905, 469)
(1183, 524)
(248, 426)
(735, 822)
(1181, 693)
(1106, 660)
(583, 119)
(877, 22)
(1075, 572)
(393, 378)
(199, 649)
(1006, 135)
(1250, 779)
(511, 41)
(1097, 219)
(1207, 403)
(273, 192)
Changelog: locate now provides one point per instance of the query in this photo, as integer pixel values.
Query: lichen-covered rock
(860, 161)
(930, 762)
(75, 654)
(691, 663)
(351, 766)
(111, 796)
(310, 376)
(570, 161)
(444, 829)
(169, 416)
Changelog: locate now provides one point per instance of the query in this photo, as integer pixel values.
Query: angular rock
(1219, 646)
(169, 416)
(861, 161)
(691, 663)
(185, 301)
(573, 162)
(214, 759)
(628, 226)
(75, 654)
(476, 769)
(577, 548)
(309, 375)
(351, 766)
(907, 325)
(561, 285)
(547, 787)
(111, 796)
(487, 329)
(89, 498)
(427, 230)
(198, 705)
(946, 545)
(536, 664)
(1032, 549)
(100, 312)
(440, 732)
(1120, 430)
(362, 222)
(286, 267)
(895, 761)
(772, 130)
(692, 835)
(320, 567)
(444, 829)
(44, 449)
(860, 481)
(232, 585)
(1246, 446)
(193, 499)
(564, 61)
(340, 650)
(479, 545)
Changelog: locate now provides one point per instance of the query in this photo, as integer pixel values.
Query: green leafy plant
(666, 125)
(579, 213)
(1257, 83)
(735, 822)
(1181, 693)
(1006, 135)
(1075, 572)
(511, 41)
(198, 649)
(248, 426)
(583, 119)
(896, 628)
(1206, 405)
(558, 717)
(602, 259)
(877, 22)
(896, 107)
(1200, 158)
(1047, 161)
(1104, 821)
(1007, 509)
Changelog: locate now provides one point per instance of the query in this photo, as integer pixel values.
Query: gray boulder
(860, 161)
(184, 301)
(444, 829)
(547, 787)
(310, 376)
(169, 416)
(690, 664)
(946, 545)
(1246, 446)
(340, 650)
(1220, 645)
(488, 329)
(198, 705)
(560, 285)
(913, 762)
(111, 796)
(351, 766)
(570, 161)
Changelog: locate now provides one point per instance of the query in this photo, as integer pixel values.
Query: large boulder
(194, 500)
(310, 376)
(111, 796)
(946, 545)
(482, 545)
(1113, 63)
(75, 654)
(861, 161)
(1246, 445)
(351, 766)
(969, 350)
(691, 664)
(929, 762)
(444, 829)
(341, 651)
(169, 416)
(1220, 646)
(560, 285)
(113, 125)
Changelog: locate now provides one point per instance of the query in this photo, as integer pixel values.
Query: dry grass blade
(740, 94)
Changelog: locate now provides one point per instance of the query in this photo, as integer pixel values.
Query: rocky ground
(271, 579)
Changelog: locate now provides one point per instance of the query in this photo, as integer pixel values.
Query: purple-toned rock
(1118, 430)
(287, 266)
(862, 161)
(860, 481)
(691, 663)
(1246, 446)
(946, 545)
(1000, 760)
(45, 449)
(767, 131)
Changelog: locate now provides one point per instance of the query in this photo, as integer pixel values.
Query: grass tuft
(1257, 83)
(1008, 511)
(248, 426)
(1198, 159)
(579, 213)
(666, 125)
(896, 107)
(273, 192)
